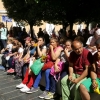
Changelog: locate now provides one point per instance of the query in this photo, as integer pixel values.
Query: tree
(24, 10)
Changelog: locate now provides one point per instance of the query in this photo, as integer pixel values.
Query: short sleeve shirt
(79, 61)
(91, 41)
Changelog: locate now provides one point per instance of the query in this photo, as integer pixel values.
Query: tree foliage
(56, 11)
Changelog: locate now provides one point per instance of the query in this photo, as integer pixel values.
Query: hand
(94, 84)
(70, 78)
(66, 52)
(75, 80)
(10, 55)
(51, 47)
(57, 70)
(38, 44)
(29, 72)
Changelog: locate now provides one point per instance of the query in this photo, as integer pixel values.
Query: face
(32, 43)
(68, 45)
(27, 41)
(53, 43)
(40, 41)
(77, 48)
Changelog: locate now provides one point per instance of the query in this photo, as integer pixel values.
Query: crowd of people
(80, 62)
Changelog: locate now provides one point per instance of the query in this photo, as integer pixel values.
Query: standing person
(3, 35)
(79, 62)
(89, 85)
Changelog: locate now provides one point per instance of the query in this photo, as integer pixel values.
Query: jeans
(53, 81)
(38, 78)
(10, 63)
(24, 68)
(3, 43)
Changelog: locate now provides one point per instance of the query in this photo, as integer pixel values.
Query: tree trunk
(71, 28)
(65, 25)
(87, 24)
(31, 30)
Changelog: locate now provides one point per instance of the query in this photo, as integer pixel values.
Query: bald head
(77, 46)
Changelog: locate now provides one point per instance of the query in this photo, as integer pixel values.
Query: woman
(53, 53)
(59, 70)
(29, 76)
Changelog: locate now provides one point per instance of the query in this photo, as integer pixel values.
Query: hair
(35, 40)
(76, 41)
(2, 24)
(97, 42)
(10, 40)
(79, 38)
(19, 44)
(68, 40)
(42, 38)
(55, 39)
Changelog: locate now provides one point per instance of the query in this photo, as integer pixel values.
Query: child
(8, 48)
(93, 83)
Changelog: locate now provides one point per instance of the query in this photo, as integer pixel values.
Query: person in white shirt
(3, 34)
(91, 41)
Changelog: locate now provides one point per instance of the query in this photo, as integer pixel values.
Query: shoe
(17, 77)
(20, 86)
(45, 93)
(25, 89)
(32, 90)
(50, 96)
(9, 70)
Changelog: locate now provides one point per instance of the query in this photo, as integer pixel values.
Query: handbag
(48, 65)
(37, 66)
(53, 73)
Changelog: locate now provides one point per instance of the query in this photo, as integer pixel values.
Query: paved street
(9, 92)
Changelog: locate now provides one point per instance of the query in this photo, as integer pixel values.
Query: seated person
(79, 62)
(59, 69)
(93, 83)
(29, 77)
(53, 53)
(91, 41)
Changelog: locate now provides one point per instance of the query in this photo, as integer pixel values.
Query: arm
(84, 74)
(70, 77)
(43, 52)
(56, 65)
(93, 72)
(56, 54)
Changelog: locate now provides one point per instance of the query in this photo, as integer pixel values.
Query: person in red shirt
(92, 84)
(79, 62)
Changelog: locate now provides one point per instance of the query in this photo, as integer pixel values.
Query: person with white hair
(91, 41)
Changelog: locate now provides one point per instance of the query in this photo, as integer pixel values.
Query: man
(79, 62)
(92, 84)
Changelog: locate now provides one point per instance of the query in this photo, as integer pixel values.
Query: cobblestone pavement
(8, 90)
